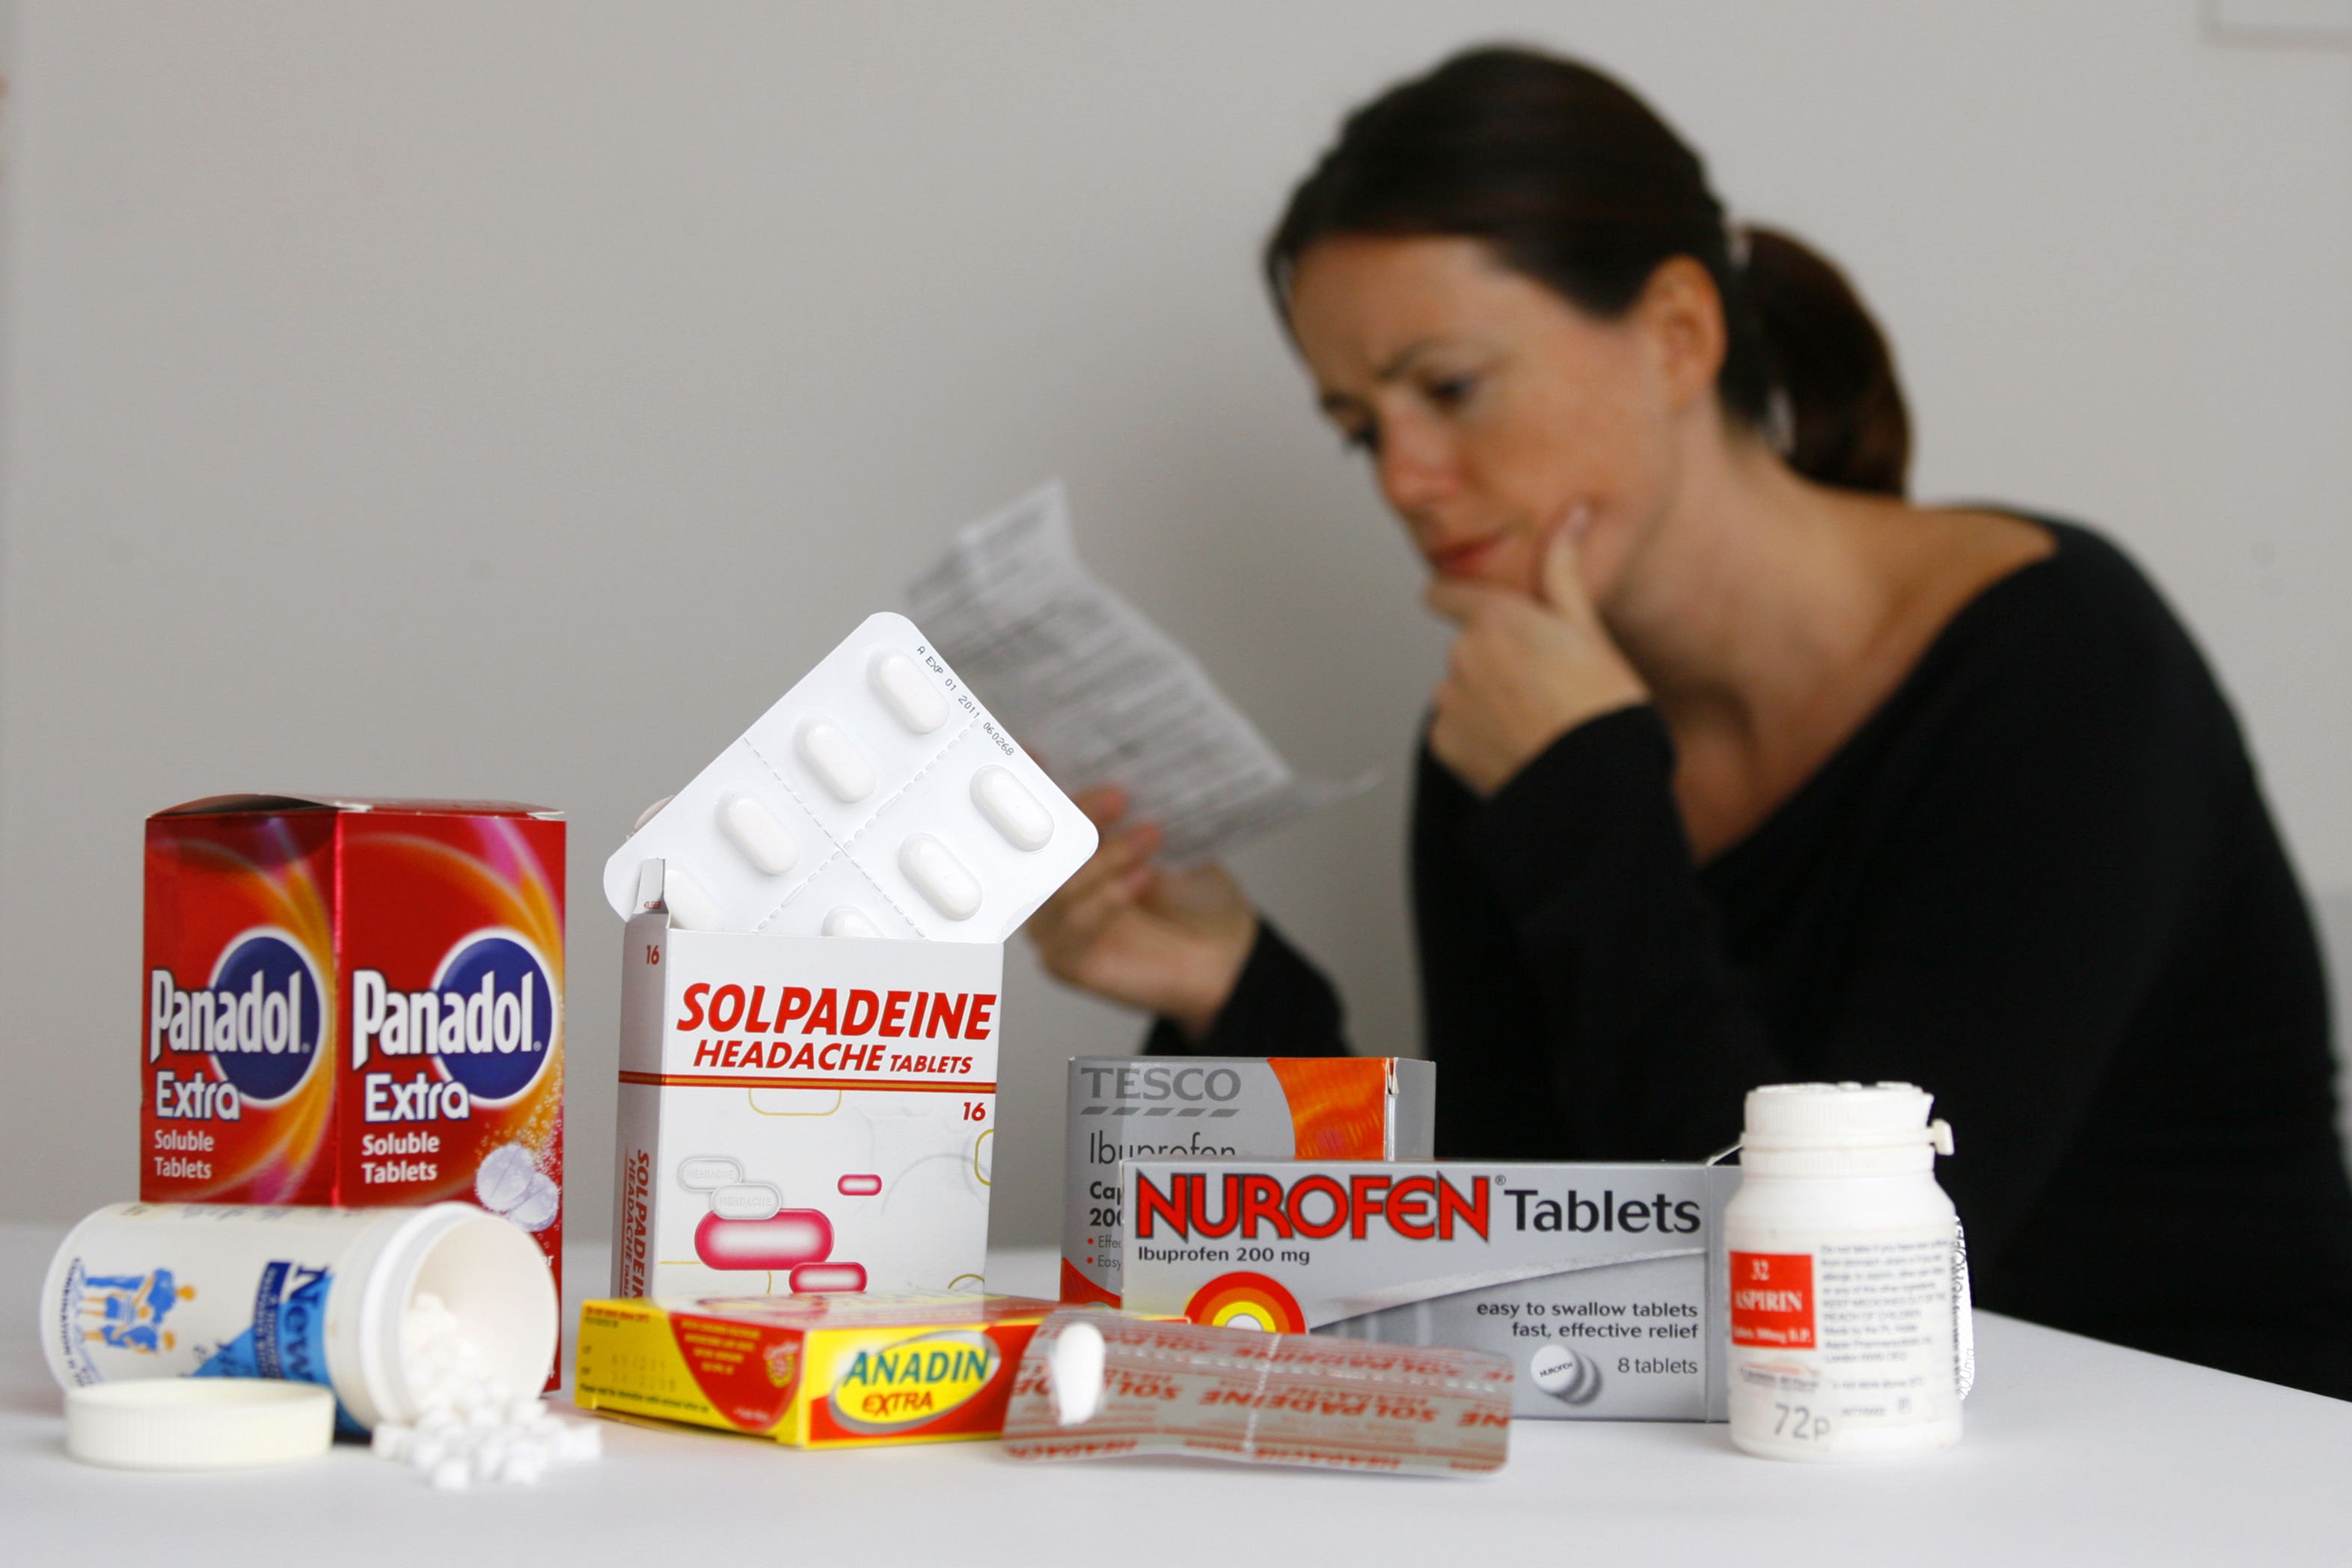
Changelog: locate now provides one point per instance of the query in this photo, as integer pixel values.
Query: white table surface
(2076, 1452)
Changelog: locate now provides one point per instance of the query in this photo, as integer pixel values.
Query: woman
(1744, 770)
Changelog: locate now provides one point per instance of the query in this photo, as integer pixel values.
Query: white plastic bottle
(1849, 1332)
(312, 1295)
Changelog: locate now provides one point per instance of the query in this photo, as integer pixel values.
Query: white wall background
(511, 399)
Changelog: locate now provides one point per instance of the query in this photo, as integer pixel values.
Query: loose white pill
(651, 812)
(452, 1475)
(903, 690)
(939, 877)
(747, 1200)
(690, 906)
(850, 921)
(835, 758)
(1011, 809)
(578, 1441)
(753, 829)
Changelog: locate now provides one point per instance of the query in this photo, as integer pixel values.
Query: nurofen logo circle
(264, 1015)
(1245, 1300)
(498, 1015)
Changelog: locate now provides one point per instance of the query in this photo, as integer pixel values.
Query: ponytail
(1833, 406)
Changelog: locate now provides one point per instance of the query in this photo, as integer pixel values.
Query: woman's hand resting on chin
(1172, 942)
(1523, 671)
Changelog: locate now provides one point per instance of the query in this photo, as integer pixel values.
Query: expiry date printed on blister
(876, 798)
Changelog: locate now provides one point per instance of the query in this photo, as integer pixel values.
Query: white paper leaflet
(1098, 693)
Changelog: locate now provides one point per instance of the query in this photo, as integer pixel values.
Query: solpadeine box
(1604, 1284)
(355, 1002)
(1216, 1107)
(801, 1113)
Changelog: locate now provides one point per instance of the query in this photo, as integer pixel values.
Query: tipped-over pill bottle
(310, 1295)
(1848, 1295)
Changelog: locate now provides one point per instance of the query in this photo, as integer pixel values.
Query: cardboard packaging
(814, 1372)
(800, 1112)
(1216, 1107)
(355, 1002)
(1604, 1284)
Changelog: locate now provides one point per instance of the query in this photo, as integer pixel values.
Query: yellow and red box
(815, 1370)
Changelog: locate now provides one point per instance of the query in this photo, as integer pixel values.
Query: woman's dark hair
(1576, 183)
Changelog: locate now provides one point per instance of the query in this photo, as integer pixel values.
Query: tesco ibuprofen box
(801, 1113)
(355, 1002)
(1221, 1108)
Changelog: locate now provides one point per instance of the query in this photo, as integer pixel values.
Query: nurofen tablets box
(355, 1002)
(802, 1112)
(1604, 1284)
(1218, 1108)
(815, 1371)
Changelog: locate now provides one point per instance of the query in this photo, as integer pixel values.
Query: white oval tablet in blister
(1074, 1373)
(939, 877)
(704, 1172)
(747, 1200)
(753, 829)
(850, 920)
(689, 905)
(836, 760)
(903, 690)
(1011, 809)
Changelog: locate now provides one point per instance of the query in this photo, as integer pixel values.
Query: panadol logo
(488, 1019)
(260, 1018)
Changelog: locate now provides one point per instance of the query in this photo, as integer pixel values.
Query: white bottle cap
(198, 1423)
(1843, 1116)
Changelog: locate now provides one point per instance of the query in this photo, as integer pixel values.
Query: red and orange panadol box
(355, 1002)
(826, 1370)
(1221, 1108)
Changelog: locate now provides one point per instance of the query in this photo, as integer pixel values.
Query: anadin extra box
(816, 1371)
(1604, 1284)
(1217, 1107)
(802, 1112)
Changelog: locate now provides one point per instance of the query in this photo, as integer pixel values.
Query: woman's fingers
(1078, 923)
(1104, 804)
(1562, 578)
(1118, 853)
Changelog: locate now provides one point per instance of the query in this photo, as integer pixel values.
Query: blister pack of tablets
(876, 798)
(1095, 1384)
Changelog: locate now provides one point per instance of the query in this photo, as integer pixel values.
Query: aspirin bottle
(1849, 1334)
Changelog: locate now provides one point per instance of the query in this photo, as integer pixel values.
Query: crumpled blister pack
(1095, 1384)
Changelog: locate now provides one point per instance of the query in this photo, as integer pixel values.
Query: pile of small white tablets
(471, 1427)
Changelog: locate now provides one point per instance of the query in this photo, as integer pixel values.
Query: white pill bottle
(309, 1295)
(1849, 1335)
